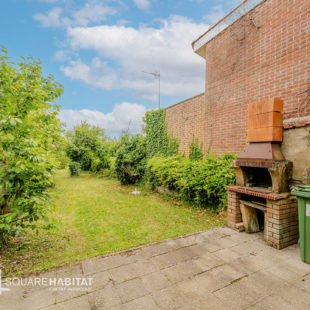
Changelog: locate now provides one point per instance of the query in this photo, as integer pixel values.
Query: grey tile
(103, 263)
(144, 267)
(143, 303)
(123, 273)
(80, 303)
(155, 281)
(104, 298)
(131, 290)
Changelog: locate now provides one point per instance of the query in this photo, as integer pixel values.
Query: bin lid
(301, 191)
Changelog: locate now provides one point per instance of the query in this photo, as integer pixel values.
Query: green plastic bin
(303, 194)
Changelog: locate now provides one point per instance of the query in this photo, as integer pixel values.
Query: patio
(214, 269)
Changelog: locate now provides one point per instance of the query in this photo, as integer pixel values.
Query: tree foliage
(87, 146)
(74, 168)
(28, 130)
(157, 140)
(130, 160)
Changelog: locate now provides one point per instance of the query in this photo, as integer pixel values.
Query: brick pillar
(281, 222)
(233, 208)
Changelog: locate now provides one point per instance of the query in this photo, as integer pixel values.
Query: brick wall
(264, 54)
(185, 120)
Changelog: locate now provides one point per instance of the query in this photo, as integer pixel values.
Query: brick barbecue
(260, 200)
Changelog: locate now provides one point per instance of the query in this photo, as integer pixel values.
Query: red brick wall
(264, 54)
(185, 120)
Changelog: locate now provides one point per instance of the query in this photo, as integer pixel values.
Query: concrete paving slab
(297, 297)
(131, 290)
(103, 263)
(181, 271)
(144, 267)
(123, 273)
(165, 260)
(155, 281)
(272, 303)
(37, 299)
(80, 303)
(104, 298)
(238, 295)
(143, 303)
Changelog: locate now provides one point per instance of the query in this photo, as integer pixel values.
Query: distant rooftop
(241, 10)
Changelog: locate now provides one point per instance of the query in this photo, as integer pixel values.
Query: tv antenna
(156, 75)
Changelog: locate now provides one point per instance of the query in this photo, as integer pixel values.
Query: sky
(98, 50)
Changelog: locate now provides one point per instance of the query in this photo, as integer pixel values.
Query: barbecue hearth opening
(257, 177)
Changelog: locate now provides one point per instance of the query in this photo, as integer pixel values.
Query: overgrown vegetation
(195, 150)
(87, 147)
(157, 140)
(29, 129)
(201, 181)
(74, 168)
(130, 162)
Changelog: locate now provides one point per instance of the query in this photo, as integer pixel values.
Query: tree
(88, 146)
(28, 129)
(131, 159)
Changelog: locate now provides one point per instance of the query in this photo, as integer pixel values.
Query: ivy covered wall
(157, 140)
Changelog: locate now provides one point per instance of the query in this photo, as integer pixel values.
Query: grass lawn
(95, 216)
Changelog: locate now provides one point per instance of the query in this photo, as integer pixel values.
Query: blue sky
(98, 49)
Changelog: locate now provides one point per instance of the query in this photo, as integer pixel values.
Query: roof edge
(242, 9)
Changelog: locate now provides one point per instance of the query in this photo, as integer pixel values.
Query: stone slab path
(215, 269)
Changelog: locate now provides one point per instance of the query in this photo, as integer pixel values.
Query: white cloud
(214, 15)
(91, 12)
(52, 18)
(142, 4)
(61, 56)
(167, 48)
(123, 115)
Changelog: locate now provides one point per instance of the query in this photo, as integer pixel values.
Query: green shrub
(29, 128)
(202, 181)
(130, 162)
(62, 160)
(88, 146)
(95, 165)
(195, 150)
(74, 168)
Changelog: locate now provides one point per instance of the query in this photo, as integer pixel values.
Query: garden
(71, 195)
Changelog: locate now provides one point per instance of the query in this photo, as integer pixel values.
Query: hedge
(202, 181)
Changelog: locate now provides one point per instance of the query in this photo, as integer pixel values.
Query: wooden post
(249, 218)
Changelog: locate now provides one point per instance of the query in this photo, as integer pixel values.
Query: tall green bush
(60, 152)
(202, 181)
(29, 128)
(74, 168)
(130, 162)
(88, 146)
(157, 140)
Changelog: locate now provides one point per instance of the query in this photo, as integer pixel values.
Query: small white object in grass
(135, 192)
